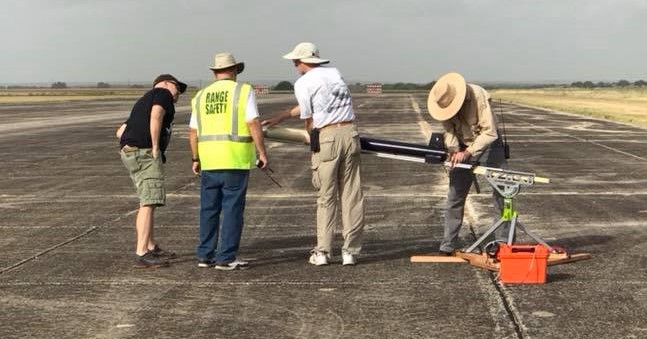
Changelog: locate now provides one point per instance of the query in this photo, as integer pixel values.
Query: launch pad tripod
(508, 184)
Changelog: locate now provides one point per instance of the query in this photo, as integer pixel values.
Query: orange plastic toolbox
(522, 264)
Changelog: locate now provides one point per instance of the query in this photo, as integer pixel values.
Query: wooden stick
(432, 257)
(558, 260)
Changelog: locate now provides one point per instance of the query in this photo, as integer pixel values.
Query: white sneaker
(234, 265)
(348, 259)
(318, 258)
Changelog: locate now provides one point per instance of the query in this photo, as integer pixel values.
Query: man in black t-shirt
(143, 139)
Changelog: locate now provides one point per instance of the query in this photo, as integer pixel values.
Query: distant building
(375, 88)
(261, 89)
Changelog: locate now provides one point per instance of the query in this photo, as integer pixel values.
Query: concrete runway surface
(67, 236)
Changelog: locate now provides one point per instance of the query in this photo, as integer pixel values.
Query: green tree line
(601, 84)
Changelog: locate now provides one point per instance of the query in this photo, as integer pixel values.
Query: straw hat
(447, 96)
(306, 52)
(226, 60)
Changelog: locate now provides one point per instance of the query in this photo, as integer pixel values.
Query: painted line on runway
(414, 104)
(512, 108)
(425, 128)
(579, 138)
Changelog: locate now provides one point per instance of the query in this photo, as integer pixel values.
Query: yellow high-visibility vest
(224, 140)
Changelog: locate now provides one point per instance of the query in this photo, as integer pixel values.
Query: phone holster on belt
(314, 140)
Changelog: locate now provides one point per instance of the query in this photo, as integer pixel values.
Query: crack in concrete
(79, 236)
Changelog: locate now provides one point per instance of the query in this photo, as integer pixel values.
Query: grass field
(33, 95)
(30, 95)
(627, 104)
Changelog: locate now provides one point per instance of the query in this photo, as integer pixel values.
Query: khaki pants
(336, 174)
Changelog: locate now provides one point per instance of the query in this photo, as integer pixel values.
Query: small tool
(259, 164)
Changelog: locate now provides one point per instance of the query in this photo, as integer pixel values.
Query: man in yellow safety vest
(225, 134)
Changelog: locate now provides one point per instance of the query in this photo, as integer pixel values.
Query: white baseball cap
(306, 52)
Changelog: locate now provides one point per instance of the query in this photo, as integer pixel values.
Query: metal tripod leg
(484, 236)
(511, 231)
(536, 238)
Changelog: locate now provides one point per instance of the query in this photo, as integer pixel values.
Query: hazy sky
(368, 40)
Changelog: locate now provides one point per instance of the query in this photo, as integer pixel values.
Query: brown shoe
(149, 260)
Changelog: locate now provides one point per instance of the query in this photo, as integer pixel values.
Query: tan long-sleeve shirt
(474, 125)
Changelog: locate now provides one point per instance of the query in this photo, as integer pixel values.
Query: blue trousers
(221, 192)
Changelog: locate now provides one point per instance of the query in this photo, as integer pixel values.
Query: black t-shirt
(137, 132)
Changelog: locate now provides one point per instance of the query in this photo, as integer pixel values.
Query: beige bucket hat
(226, 60)
(447, 96)
(306, 52)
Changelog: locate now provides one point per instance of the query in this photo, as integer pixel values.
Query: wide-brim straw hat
(226, 60)
(306, 52)
(447, 96)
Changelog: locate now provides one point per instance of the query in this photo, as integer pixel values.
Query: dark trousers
(460, 181)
